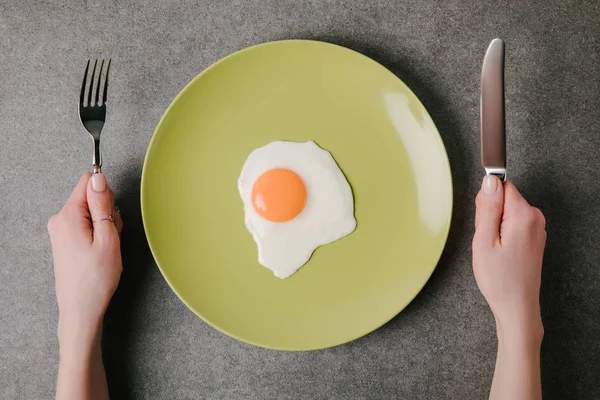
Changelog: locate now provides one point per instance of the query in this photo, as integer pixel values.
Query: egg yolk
(279, 195)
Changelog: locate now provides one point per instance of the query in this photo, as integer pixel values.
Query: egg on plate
(296, 199)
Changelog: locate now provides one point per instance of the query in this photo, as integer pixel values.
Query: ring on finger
(108, 218)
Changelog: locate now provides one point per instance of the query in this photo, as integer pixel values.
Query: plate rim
(153, 140)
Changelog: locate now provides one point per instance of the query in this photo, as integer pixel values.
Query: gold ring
(109, 218)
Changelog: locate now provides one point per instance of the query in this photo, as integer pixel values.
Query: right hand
(508, 248)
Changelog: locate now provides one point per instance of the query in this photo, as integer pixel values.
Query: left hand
(87, 256)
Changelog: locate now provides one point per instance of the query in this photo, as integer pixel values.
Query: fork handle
(97, 158)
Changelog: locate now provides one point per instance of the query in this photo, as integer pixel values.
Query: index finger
(78, 196)
(513, 200)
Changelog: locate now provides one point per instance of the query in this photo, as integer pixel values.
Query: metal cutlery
(93, 113)
(493, 136)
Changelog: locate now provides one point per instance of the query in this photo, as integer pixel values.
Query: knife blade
(493, 137)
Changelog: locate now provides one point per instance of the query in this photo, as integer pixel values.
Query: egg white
(328, 214)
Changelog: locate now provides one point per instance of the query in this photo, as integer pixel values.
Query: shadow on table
(448, 126)
(118, 323)
(570, 350)
(556, 359)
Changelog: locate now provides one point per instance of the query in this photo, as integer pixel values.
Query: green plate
(381, 137)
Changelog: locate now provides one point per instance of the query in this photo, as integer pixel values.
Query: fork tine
(98, 85)
(89, 103)
(106, 81)
(82, 98)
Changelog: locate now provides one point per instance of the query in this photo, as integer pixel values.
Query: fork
(93, 115)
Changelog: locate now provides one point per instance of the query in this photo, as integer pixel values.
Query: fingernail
(98, 182)
(490, 184)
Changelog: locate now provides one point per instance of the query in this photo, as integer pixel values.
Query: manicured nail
(98, 182)
(490, 184)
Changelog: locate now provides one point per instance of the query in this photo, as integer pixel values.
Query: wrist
(78, 338)
(520, 332)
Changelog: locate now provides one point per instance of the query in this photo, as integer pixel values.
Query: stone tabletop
(443, 345)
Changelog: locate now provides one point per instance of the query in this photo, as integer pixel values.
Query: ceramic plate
(381, 137)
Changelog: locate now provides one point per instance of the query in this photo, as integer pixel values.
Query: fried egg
(295, 199)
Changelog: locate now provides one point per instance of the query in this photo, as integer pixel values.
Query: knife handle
(499, 172)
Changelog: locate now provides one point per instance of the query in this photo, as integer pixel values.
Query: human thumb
(100, 204)
(490, 205)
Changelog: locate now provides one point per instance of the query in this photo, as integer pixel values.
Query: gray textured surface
(443, 345)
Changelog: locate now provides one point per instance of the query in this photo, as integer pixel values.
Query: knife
(493, 138)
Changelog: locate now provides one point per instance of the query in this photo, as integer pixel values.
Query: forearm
(517, 374)
(81, 373)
